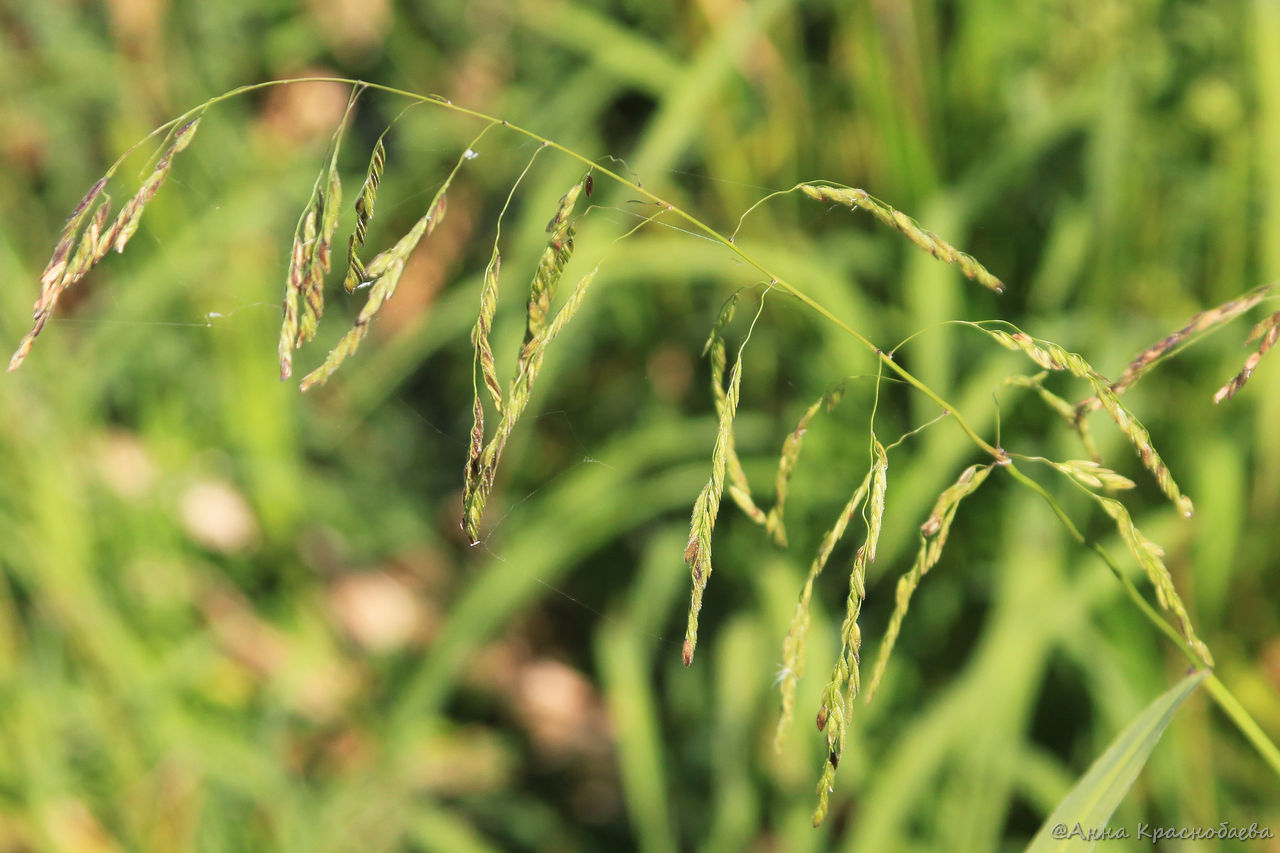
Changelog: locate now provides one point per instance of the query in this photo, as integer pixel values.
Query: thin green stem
(1248, 727)
(1217, 690)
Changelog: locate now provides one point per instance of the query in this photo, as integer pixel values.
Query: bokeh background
(233, 617)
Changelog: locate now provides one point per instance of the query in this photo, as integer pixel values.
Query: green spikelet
(483, 459)
(896, 219)
(356, 274)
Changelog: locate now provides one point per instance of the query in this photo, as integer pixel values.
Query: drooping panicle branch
(483, 459)
(1150, 557)
(1199, 323)
(1267, 332)
(1050, 356)
(896, 219)
(697, 554)
(383, 272)
(933, 538)
(846, 682)
(65, 268)
(794, 646)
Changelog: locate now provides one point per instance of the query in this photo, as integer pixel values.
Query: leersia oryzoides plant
(87, 237)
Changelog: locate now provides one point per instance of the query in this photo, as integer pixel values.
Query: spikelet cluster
(846, 682)
(1267, 333)
(1197, 324)
(382, 274)
(311, 256)
(697, 554)
(896, 219)
(1151, 557)
(482, 457)
(933, 538)
(793, 647)
(86, 238)
(1053, 357)
(356, 273)
(1093, 475)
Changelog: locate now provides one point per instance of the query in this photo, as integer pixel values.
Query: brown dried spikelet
(1268, 330)
(1200, 322)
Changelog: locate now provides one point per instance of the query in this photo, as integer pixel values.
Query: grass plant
(87, 237)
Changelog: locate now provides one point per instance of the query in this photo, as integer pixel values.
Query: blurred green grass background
(236, 618)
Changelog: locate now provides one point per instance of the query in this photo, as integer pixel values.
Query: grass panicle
(697, 554)
(66, 267)
(483, 459)
(484, 361)
(90, 233)
(542, 289)
(325, 205)
(933, 538)
(927, 240)
(1050, 356)
(126, 223)
(1267, 332)
(480, 333)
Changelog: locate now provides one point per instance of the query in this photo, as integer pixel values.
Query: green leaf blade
(1092, 801)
